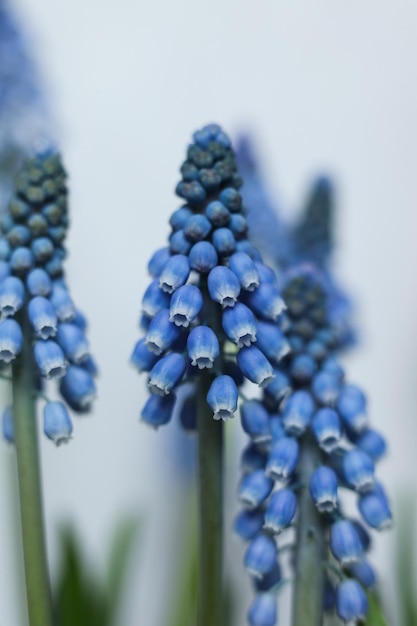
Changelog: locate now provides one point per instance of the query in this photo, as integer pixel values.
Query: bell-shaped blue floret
(255, 366)
(272, 341)
(351, 601)
(358, 470)
(77, 388)
(239, 324)
(222, 397)
(249, 523)
(263, 610)
(297, 412)
(261, 555)
(197, 227)
(224, 241)
(187, 413)
(217, 213)
(11, 340)
(255, 420)
(178, 243)
(373, 443)
(38, 282)
(62, 303)
(42, 248)
(42, 317)
(323, 489)
(142, 358)
(280, 511)
(279, 387)
(345, 542)
(223, 286)
(364, 572)
(203, 347)
(154, 299)
(174, 274)
(158, 410)
(255, 488)
(302, 368)
(57, 424)
(8, 427)
(180, 217)
(375, 509)
(351, 405)
(266, 302)
(245, 269)
(167, 373)
(49, 358)
(325, 387)
(185, 305)
(73, 342)
(203, 257)
(283, 458)
(252, 458)
(12, 296)
(21, 260)
(161, 333)
(158, 261)
(327, 429)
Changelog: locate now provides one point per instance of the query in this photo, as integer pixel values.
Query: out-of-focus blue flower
(345, 542)
(351, 601)
(263, 610)
(280, 510)
(323, 489)
(261, 555)
(57, 424)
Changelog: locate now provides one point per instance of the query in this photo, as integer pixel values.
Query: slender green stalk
(210, 456)
(310, 552)
(26, 441)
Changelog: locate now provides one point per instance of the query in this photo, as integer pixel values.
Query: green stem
(210, 457)
(310, 551)
(26, 441)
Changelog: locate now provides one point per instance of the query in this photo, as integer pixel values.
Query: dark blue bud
(186, 304)
(261, 555)
(4, 270)
(231, 369)
(18, 209)
(42, 249)
(18, 236)
(266, 302)
(302, 368)
(203, 137)
(327, 429)
(203, 347)
(11, 340)
(21, 260)
(271, 340)
(224, 241)
(255, 366)
(49, 358)
(223, 139)
(73, 342)
(269, 581)
(296, 343)
(158, 410)
(279, 387)
(283, 458)
(178, 243)
(297, 412)
(263, 610)
(191, 191)
(345, 542)
(252, 459)
(154, 299)
(167, 373)
(222, 397)
(316, 349)
(187, 412)
(351, 405)
(161, 333)
(12, 295)
(197, 227)
(375, 509)
(180, 217)
(231, 199)
(245, 269)
(255, 420)
(57, 234)
(158, 261)
(203, 257)
(174, 274)
(238, 225)
(62, 303)
(239, 324)
(8, 427)
(364, 572)
(280, 511)
(54, 266)
(42, 317)
(38, 282)
(323, 489)
(325, 387)
(255, 488)
(77, 388)
(57, 424)
(249, 523)
(351, 601)
(371, 442)
(5, 249)
(358, 470)
(223, 286)
(217, 213)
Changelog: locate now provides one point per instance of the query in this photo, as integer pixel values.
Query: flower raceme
(34, 296)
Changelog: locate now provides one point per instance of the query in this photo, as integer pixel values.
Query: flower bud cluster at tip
(32, 285)
(309, 397)
(209, 266)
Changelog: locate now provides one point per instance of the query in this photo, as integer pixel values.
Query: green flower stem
(310, 551)
(210, 458)
(26, 441)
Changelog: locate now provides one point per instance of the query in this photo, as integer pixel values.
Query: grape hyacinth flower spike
(209, 293)
(320, 445)
(42, 339)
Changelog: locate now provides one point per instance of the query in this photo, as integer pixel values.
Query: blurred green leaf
(375, 616)
(405, 565)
